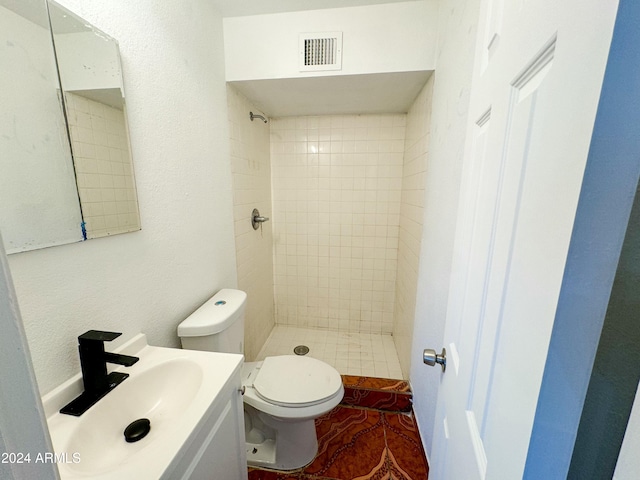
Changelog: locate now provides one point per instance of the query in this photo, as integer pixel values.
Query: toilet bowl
(283, 395)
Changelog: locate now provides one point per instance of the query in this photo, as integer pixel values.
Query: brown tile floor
(378, 393)
(356, 443)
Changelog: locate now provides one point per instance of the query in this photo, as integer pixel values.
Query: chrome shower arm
(253, 115)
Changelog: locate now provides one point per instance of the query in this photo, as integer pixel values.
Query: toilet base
(285, 444)
(261, 454)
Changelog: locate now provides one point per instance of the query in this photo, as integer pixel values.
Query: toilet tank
(218, 325)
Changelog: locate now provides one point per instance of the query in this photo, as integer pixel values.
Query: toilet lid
(292, 380)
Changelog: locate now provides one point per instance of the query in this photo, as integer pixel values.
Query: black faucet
(93, 361)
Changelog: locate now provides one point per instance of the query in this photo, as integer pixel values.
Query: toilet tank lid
(215, 315)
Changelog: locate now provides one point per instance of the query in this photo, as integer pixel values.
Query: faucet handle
(98, 336)
(93, 363)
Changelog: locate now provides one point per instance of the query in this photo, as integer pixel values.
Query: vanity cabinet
(217, 451)
(192, 401)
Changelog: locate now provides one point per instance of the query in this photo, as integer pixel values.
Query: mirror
(61, 182)
(38, 196)
(91, 78)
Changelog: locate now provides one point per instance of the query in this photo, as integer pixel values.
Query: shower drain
(301, 350)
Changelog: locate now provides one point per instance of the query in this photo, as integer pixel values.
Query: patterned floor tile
(356, 443)
(378, 393)
(389, 401)
(375, 383)
(406, 456)
(256, 474)
(351, 445)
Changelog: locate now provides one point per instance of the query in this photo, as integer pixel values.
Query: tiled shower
(336, 190)
(339, 255)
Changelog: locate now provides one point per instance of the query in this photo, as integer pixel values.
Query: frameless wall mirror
(38, 196)
(61, 182)
(91, 78)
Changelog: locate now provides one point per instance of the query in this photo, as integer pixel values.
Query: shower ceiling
(342, 94)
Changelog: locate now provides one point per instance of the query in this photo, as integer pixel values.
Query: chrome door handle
(430, 357)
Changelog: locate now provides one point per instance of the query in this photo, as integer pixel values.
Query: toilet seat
(293, 412)
(294, 381)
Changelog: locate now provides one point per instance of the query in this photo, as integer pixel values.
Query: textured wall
(456, 46)
(252, 189)
(146, 281)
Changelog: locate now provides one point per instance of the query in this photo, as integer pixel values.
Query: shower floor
(363, 354)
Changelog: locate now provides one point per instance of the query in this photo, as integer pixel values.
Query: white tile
(350, 353)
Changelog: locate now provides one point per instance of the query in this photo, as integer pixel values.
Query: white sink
(175, 389)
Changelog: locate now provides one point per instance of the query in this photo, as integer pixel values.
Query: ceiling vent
(320, 51)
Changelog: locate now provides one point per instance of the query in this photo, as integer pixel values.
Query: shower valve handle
(257, 219)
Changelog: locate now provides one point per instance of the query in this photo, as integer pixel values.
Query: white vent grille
(320, 51)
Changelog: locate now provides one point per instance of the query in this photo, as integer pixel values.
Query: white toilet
(283, 395)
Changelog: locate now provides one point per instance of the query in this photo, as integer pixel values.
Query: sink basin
(172, 388)
(161, 393)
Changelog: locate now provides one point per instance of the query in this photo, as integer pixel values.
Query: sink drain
(301, 350)
(137, 430)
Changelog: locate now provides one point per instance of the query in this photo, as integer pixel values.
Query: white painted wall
(146, 281)
(395, 37)
(455, 61)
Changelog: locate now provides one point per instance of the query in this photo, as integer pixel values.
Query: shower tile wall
(337, 189)
(103, 166)
(252, 189)
(411, 219)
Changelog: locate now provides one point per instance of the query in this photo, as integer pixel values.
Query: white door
(537, 79)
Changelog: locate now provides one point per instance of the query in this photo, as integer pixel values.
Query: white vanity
(193, 403)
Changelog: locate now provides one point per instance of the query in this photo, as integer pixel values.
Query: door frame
(608, 190)
(23, 426)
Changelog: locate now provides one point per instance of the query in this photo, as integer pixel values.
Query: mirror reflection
(38, 196)
(91, 78)
(61, 182)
